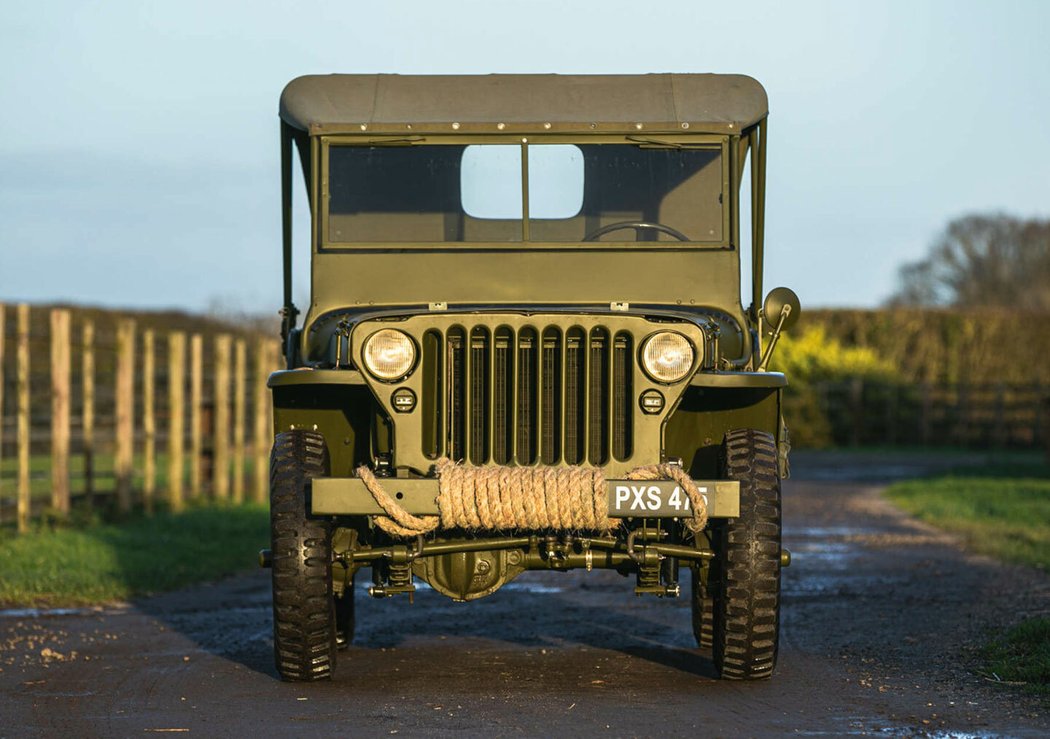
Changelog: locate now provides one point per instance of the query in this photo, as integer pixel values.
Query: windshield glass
(475, 193)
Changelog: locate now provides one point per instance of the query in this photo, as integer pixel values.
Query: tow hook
(785, 558)
(265, 558)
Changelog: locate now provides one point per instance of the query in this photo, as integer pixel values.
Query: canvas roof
(345, 103)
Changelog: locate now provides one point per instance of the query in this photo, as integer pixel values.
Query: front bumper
(348, 496)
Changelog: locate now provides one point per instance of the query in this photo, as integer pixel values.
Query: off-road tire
(746, 569)
(303, 607)
(703, 614)
(345, 618)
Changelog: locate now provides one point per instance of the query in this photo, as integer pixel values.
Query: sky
(139, 149)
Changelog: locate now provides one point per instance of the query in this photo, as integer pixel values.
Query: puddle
(46, 612)
(878, 473)
(521, 587)
(828, 532)
(532, 587)
(858, 728)
(829, 555)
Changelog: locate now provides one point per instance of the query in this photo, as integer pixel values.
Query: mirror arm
(784, 313)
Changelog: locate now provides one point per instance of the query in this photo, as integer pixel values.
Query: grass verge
(111, 562)
(1002, 511)
(1022, 656)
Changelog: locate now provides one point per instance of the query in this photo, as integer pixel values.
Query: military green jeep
(526, 349)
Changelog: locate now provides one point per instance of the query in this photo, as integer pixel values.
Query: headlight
(667, 356)
(389, 354)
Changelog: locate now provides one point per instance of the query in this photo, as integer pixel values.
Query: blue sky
(138, 141)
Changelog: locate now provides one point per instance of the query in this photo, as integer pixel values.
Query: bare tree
(979, 260)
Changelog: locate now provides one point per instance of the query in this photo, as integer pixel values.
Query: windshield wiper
(655, 142)
(396, 141)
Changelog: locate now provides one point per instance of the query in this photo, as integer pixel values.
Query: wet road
(881, 621)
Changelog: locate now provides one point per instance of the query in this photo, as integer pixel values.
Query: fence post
(924, 413)
(176, 414)
(22, 352)
(60, 410)
(125, 401)
(261, 441)
(856, 394)
(88, 371)
(196, 385)
(149, 422)
(891, 413)
(962, 408)
(1041, 422)
(221, 484)
(3, 328)
(999, 420)
(239, 361)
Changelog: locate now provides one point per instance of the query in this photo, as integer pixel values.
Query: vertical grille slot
(622, 392)
(575, 381)
(502, 395)
(527, 405)
(550, 397)
(538, 395)
(598, 397)
(433, 398)
(479, 396)
(457, 391)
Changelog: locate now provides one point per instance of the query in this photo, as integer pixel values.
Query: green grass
(102, 563)
(105, 479)
(1002, 511)
(1022, 655)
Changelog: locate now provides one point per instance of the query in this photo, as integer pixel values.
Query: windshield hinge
(437, 306)
(620, 306)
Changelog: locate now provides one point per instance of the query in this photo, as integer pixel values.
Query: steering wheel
(638, 227)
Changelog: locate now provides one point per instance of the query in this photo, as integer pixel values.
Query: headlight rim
(696, 357)
(410, 366)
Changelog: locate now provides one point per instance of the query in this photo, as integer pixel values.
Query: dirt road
(881, 620)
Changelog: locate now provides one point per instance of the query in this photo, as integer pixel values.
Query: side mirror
(780, 311)
(773, 308)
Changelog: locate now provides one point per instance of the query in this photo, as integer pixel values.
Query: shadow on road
(537, 612)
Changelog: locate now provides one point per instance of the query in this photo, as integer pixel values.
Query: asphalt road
(881, 621)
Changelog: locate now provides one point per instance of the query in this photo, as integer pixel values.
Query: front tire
(745, 586)
(702, 607)
(345, 618)
(303, 608)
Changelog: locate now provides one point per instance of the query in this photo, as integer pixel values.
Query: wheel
(344, 617)
(638, 227)
(703, 582)
(303, 608)
(745, 584)
(703, 628)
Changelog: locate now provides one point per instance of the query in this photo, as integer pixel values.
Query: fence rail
(978, 415)
(97, 415)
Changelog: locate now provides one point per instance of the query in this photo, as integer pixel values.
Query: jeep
(526, 349)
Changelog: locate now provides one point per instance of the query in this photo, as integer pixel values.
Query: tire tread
(304, 633)
(745, 578)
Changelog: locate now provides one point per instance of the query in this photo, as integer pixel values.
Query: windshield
(610, 192)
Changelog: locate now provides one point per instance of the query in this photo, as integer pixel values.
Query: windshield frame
(717, 142)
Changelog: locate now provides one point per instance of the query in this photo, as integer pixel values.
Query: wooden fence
(978, 415)
(110, 415)
(124, 417)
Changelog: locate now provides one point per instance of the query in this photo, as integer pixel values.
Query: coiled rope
(499, 498)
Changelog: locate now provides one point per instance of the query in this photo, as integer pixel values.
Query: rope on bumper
(497, 498)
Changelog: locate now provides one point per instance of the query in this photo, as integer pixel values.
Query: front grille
(534, 395)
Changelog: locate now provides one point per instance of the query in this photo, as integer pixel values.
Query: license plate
(657, 498)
